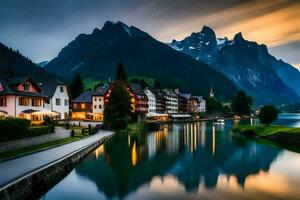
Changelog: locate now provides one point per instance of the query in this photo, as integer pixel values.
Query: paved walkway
(60, 133)
(16, 168)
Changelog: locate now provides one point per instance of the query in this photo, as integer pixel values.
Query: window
(26, 86)
(23, 101)
(95, 106)
(3, 102)
(82, 106)
(66, 102)
(74, 105)
(36, 102)
(57, 101)
(100, 106)
(61, 89)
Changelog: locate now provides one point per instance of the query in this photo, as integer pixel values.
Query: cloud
(39, 29)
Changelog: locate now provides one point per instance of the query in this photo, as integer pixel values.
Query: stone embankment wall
(36, 183)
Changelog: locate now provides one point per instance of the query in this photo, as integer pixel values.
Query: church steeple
(211, 93)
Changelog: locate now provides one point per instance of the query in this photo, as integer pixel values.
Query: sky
(39, 29)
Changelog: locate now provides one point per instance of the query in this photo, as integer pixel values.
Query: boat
(219, 122)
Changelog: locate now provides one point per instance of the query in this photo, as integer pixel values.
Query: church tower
(211, 93)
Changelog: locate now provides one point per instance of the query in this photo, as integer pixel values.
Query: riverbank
(288, 137)
(30, 176)
(35, 144)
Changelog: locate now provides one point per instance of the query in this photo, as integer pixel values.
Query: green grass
(90, 83)
(32, 149)
(149, 81)
(262, 130)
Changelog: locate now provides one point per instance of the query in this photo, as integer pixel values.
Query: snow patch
(191, 47)
(220, 41)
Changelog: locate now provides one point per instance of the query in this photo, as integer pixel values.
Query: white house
(151, 100)
(171, 101)
(97, 106)
(201, 103)
(58, 97)
(23, 98)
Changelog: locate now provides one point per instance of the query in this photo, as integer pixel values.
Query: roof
(157, 93)
(8, 90)
(85, 97)
(170, 92)
(49, 87)
(100, 91)
(137, 88)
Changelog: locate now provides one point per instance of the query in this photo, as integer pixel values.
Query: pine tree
(117, 112)
(121, 75)
(76, 87)
(241, 103)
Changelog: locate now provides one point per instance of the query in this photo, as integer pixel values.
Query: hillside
(248, 64)
(14, 63)
(96, 55)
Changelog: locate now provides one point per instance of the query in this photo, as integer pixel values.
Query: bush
(268, 114)
(13, 128)
(40, 130)
(16, 128)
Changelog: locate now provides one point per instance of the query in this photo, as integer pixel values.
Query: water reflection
(194, 161)
(181, 161)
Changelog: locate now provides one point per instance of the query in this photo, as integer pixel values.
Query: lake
(185, 161)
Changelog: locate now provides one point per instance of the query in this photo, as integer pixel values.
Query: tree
(156, 84)
(76, 87)
(268, 114)
(241, 103)
(117, 112)
(121, 75)
(213, 105)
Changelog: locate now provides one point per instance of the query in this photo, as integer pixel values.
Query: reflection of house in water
(208, 154)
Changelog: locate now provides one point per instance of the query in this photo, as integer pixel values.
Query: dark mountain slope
(13, 62)
(248, 64)
(97, 54)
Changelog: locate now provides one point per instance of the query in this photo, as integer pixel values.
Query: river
(185, 161)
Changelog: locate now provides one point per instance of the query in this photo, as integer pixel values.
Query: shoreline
(33, 184)
(287, 137)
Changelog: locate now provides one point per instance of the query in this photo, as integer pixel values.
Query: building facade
(160, 101)
(23, 98)
(201, 104)
(151, 100)
(82, 106)
(57, 97)
(171, 101)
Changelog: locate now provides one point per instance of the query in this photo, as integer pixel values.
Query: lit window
(36, 102)
(23, 101)
(82, 106)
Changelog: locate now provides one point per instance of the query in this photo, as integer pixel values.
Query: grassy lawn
(285, 137)
(261, 130)
(32, 149)
(149, 81)
(90, 83)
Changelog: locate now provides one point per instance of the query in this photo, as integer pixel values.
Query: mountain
(96, 55)
(248, 64)
(42, 64)
(14, 63)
